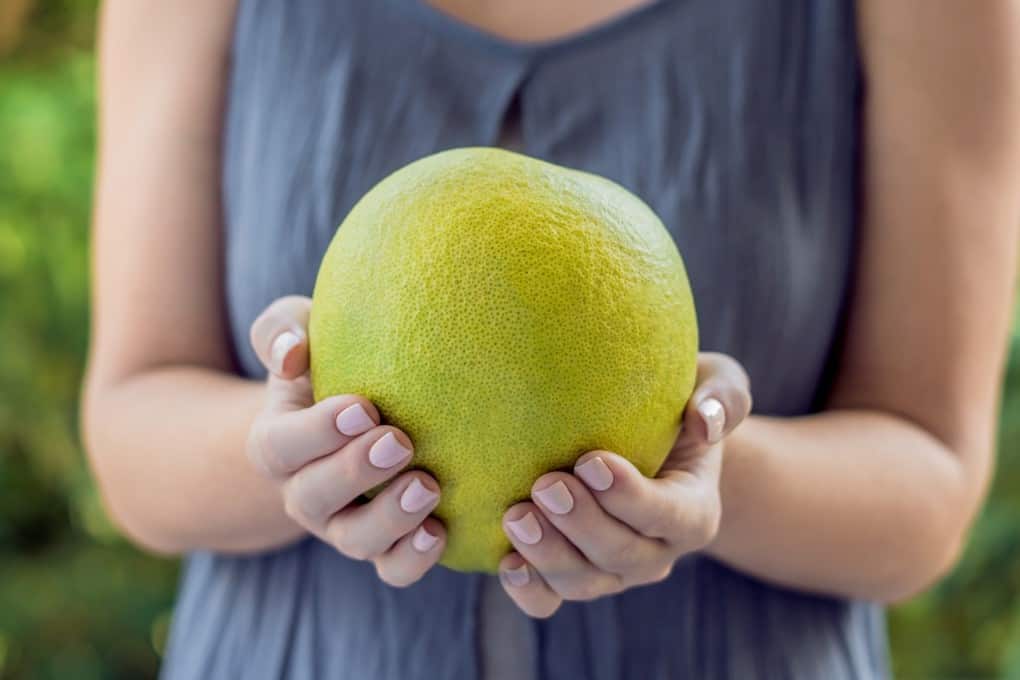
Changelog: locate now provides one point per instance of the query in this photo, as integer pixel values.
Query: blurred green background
(76, 601)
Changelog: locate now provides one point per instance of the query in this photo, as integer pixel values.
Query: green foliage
(76, 601)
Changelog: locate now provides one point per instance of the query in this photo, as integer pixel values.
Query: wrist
(741, 467)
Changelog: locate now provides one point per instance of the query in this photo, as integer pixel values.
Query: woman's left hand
(607, 527)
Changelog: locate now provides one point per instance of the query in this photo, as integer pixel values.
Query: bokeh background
(76, 600)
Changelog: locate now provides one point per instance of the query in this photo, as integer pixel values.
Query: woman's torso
(736, 120)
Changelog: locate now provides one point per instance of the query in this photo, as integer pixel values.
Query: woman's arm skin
(171, 433)
(164, 422)
(873, 498)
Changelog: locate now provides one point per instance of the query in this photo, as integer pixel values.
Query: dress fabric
(736, 120)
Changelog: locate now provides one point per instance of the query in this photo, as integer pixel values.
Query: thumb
(285, 396)
(279, 337)
(721, 400)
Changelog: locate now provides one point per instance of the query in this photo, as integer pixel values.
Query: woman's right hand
(325, 455)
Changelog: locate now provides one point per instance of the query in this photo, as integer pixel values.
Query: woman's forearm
(168, 448)
(851, 503)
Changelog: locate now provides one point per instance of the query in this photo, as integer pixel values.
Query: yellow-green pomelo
(509, 315)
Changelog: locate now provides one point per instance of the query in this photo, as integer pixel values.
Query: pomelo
(509, 315)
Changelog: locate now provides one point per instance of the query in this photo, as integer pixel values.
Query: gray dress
(736, 120)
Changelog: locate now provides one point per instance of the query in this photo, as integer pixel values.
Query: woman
(235, 136)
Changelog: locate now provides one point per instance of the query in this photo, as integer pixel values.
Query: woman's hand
(607, 527)
(326, 455)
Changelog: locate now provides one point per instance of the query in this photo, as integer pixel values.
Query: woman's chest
(736, 122)
(535, 20)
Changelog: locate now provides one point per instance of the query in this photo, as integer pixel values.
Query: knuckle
(623, 558)
(260, 450)
(695, 534)
(653, 526)
(744, 402)
(257, 326)
(277, 390)
(354, 472)
(342, 539)
(664, 521)
(705, 523)
(388, 528)
(351, 471)
(291, 510)
(357, 551)
(285, 310)
(288, 300)
(302, 500)
(726, 365)
(582, 589)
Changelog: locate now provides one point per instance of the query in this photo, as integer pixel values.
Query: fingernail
(595, 473)
(417, 497)
(387, 452)
(714, 415)
(282, 345)
(556, 498)
(526, 529)
(354, 420)
(517, 577)
(423, 541)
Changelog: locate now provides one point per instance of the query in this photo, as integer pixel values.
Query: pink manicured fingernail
(417, 497)
(387, 452)
(595, 473)
(282, 345)
(354, 420)
(714, 415)
(556, 498)
(517, 577)
(526, 529)
(423, 541)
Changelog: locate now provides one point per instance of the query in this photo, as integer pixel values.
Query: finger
(368, 530)
(289, 395)
(678, 507)
(609, 544)
(721, 400)
(525, 586)
(561, 565)
(283, 442)
(325, 486)
(413, 555)
(279, 336)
